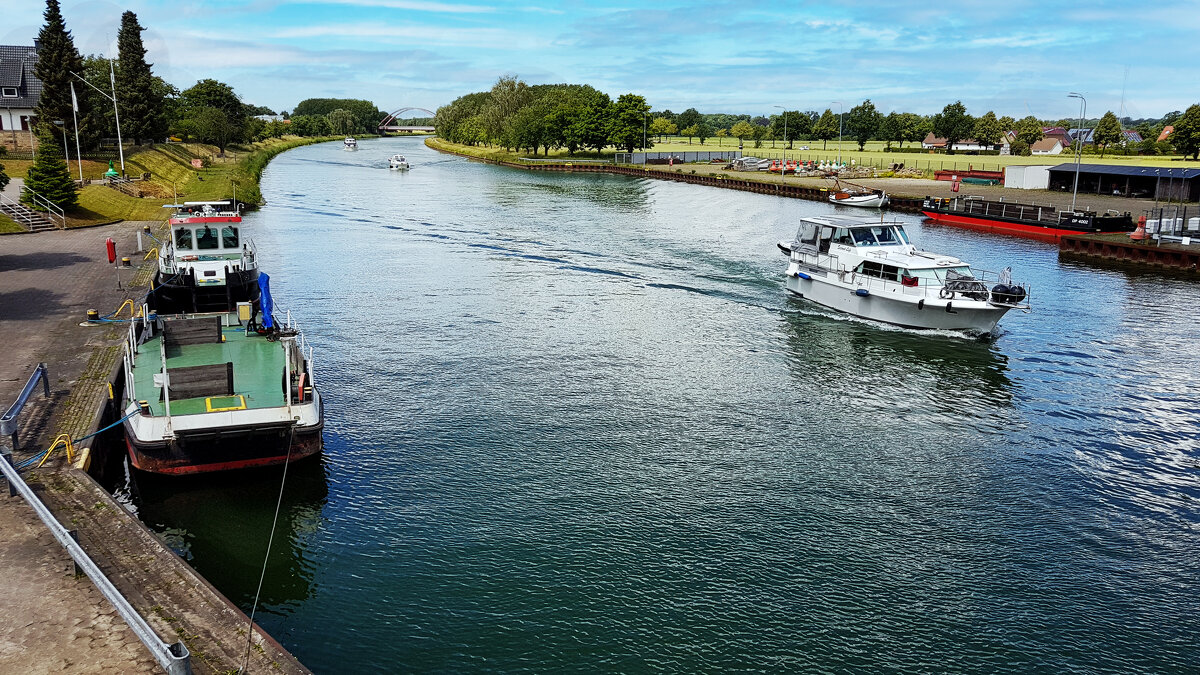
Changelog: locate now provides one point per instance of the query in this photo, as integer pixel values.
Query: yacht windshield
(229, 237)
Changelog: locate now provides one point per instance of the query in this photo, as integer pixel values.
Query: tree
(703, 131)
(1029, 130)
(57, 59)
(49, 176)
(916, 127)
(693, 130)
(826, 128)
(1186, 137)
(140, 102)
(213, 94)
(341, 122)
(309, 125)
(742, 130)
(988, 129)
(1019, 147)
(953, 124)
(1007, 123)
(721, 134)
(661, 126)
(626, 125)
(790, 126)
(760, 132)
(863, 122)
(365, 112)
(892, 129)
(687, 118)
(213, 126)
(1108, 131)
(3, 177)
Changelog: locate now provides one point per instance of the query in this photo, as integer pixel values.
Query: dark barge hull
(228, 449)
(178, 294)
(1030, 228)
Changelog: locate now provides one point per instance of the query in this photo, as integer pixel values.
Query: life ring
(945, 293)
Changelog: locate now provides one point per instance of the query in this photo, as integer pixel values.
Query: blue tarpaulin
(264, 285)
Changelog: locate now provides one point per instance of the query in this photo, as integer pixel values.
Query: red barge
(1044, 223)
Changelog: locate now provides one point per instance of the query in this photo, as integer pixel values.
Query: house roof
(1131, 135)
(16, 70)
(1119, 170)
(1046, 144)
(932, 140)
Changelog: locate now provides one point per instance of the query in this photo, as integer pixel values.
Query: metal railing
(18, 211)
(11, 420)
(53, 211)
(174, 658)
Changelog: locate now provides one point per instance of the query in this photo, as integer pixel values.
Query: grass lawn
(8, 225)
(102, 204)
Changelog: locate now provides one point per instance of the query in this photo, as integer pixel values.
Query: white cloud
(410, 5)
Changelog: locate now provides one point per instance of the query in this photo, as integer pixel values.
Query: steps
(34, 221)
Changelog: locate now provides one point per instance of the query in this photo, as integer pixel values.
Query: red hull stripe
(1050, 234)
(187, 469)
(222, 219)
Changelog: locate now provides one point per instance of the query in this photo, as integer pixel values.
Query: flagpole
(112, 78)
(75, 116)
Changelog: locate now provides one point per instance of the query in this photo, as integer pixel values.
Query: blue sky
(1015, 57)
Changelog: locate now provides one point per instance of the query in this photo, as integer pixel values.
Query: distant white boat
(398, 163)
(350, 143)
(850, 194)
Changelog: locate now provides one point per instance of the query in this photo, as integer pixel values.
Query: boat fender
(945, 293)
(921, 303)
(802, 275)
(300, 388)
(862, 292)
(950, 309)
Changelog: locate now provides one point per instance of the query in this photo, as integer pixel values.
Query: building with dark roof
(20, 90)
(1149, 182)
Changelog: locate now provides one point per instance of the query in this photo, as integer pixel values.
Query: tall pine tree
(140, 103)
(49, 175)
(57, 59)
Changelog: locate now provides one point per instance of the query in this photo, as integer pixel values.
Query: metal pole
(1078, 143)
(75, 117)
(839, 132)
(112, 78)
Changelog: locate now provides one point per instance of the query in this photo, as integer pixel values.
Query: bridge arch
(401, 111)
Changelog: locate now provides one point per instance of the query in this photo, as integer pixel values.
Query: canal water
(575, 424)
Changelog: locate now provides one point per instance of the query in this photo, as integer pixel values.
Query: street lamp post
(1078, 143)
(839, 161)
(783, 167)
(644, 113)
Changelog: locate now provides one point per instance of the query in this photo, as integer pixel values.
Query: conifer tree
(57, 59)
(49, 175)
(141, 105)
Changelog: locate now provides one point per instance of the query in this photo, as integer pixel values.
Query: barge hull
(214, 451)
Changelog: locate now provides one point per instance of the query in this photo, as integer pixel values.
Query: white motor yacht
(398, 163)
(868, 268)
(350, 143)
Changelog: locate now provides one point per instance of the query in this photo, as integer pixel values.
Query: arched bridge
(386, 124)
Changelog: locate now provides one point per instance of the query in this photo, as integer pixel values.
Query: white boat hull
(865, 201)
(891, 303)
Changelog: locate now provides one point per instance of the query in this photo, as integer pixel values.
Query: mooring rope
(270, 540)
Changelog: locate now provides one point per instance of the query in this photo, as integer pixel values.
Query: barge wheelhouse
(207, 265)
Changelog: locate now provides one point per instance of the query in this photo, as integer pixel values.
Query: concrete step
(36, 221)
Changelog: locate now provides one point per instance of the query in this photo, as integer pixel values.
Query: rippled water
(575, 424)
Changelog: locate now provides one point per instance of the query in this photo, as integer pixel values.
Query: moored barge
(206, 265)
(1044, 223)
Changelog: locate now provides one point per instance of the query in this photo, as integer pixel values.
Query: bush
(1019, 149)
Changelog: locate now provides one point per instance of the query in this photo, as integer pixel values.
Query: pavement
(50, 621)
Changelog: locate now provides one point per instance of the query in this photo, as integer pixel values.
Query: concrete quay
(54, 622)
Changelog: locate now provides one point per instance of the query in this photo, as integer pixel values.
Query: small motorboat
(868, 268)
(350, 143)
(850, 194)
(398, 163)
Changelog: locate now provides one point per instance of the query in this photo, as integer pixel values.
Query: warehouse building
(1142, 182)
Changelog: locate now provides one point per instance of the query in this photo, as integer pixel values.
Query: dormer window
(8, 92)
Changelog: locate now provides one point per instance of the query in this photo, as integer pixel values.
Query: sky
(1015, 57)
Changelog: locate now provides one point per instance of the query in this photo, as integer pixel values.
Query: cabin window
(884, 235)
(903, 234)
(10, 92)
(808, 234)
(879, 270)
(862, 237)
(206, 238)
(842, 236)
(183, 239)
(229, 237)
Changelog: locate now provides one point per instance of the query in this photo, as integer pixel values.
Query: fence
(678, 157)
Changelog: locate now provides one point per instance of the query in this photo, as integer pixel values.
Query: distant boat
(850, 194)
(1045, 222)
(350, 143)
(398, 163)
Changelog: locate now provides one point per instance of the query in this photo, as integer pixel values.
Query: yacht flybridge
(868, 268)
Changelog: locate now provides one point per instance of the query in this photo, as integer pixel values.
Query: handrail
(21, 214)
(10, 422)
(52, 209)
(174, 658)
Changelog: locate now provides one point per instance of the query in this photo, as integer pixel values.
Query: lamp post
(783, 166)
(1078, 143)
(75, 116)
(644, 113)
(839, 161)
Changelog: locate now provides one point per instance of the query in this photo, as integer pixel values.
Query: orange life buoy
(300, 389)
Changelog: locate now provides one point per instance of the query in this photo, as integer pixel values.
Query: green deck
(257, 371)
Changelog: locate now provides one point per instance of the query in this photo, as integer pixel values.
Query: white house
(19, 93)
(1049, 145)
(932, 142)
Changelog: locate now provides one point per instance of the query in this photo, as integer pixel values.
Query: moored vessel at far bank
(350, 143)
(1045, 223)
(868, 268)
